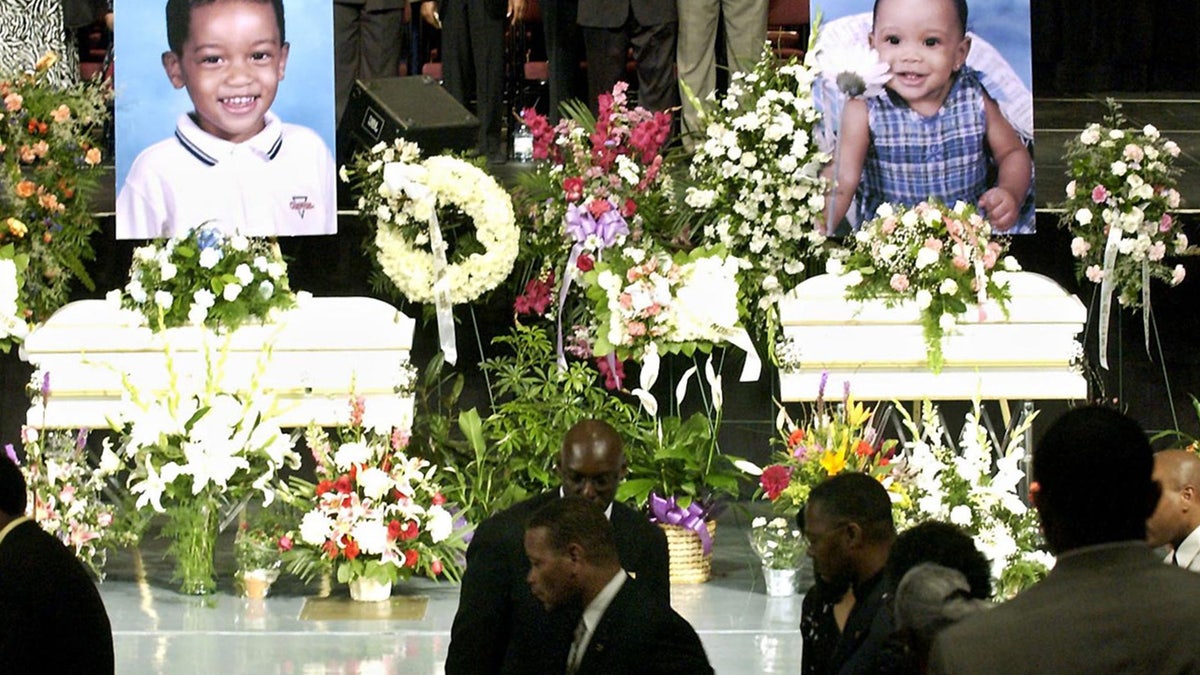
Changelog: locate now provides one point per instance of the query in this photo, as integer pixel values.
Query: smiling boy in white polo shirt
(231, 160)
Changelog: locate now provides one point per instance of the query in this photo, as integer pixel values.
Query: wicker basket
(688, 563)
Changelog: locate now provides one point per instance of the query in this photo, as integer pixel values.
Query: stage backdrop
(147, 106)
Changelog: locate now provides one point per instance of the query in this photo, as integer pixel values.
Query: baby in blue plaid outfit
(931, 133)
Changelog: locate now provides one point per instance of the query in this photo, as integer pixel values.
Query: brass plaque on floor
(398, 608)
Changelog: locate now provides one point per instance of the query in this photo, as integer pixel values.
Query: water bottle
(522, 141)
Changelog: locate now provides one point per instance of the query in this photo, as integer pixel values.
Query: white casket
(881, 350)
(321, 351)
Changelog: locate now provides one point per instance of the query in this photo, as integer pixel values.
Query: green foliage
(682, 461)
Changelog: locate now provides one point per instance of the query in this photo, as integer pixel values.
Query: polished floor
(156, 630)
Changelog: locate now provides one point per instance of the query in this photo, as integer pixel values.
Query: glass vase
(192, 527)
(780, 582)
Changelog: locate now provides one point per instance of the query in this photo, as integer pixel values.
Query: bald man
(500, 626)
(1176, 521)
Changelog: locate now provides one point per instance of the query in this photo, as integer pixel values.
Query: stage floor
(156, 630)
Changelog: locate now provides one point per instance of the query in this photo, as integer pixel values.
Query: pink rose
(899, 282)
(960, 263)
(1164, 223)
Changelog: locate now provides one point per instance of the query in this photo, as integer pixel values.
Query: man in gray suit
(1176, 521)
(611, 27)
(1109, 605)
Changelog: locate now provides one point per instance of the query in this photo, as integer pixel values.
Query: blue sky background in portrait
(1003, 23)
(147, 106)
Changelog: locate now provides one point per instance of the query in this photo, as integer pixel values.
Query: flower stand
(780, 583)
(364, 589)
(688, 562)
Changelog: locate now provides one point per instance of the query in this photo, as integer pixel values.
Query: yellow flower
(16, 227)
(833, 461)
(44, 63)
(856, 413)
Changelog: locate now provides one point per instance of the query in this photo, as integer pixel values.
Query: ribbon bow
(666, 511)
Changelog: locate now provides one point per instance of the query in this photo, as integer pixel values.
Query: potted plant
(780, 548)
(259, 545)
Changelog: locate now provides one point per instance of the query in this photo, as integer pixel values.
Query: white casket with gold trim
(1030, 354)
(312, 358)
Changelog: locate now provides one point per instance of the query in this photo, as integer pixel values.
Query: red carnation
(599, 207)
(344, 485)
(393, 530)
(410, 558)
(573, 188)
(324, 486)
(795, 438)
(410, 531)
(585, 263)
(775, 479)
(629, 209)
(352, 549)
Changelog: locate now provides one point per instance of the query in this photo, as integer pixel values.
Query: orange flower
(795, 438)
(61, 114)
(41, 148)
(50, 202)
(49, 59)
(25, 189)
(92, 157)
(863, 449)
(27, 154)
(13, 101)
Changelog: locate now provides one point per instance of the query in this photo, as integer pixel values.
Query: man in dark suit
(849, 528)
(368, 37)
(611, 27)
(500, 626)
(52, 619)
(1109, 605)
(473, 60)
(625, 628)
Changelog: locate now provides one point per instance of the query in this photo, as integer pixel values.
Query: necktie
(576, 653)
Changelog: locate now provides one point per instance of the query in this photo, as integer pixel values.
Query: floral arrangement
(257, 548)
(204, 277)
(66, 492)
(651, 301)
(937, 257)
(976, 490)
(376, 512)
(777, 545)
(1119, 204)
(442, 225)
(834, 439)
(12, 315)
(755, 183)
(49, 161)
(195, 448)
(597, 180)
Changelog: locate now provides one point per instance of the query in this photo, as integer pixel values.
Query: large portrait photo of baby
(224, 116)
(951, 119)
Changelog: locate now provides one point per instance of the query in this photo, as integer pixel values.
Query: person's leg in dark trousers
(487, 38)
(563, 51)
(382, 42)
(346, 45)
(457, 71)
(606, 52)
(654, 53)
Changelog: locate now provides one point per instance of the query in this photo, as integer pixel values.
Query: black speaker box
(415, 108)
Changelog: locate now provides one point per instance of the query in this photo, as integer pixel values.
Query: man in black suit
(52, 619)
(1109, 605)
(473, 60)
(849, 528)
(611, 27)
(500, 626)
(625, 628)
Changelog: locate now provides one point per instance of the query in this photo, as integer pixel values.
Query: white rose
(1090, 136)
(925, 257)
(168, 271)
(924, 299)
(204, 297)
(231, 292)
(1150, 131)
(1011, 264)
(961, 515)
(243, 274)
(163, 299)
(1083, 217)
(1080, 247)
(947, 321)
(197, 313)
(948, 287)
(209, 258)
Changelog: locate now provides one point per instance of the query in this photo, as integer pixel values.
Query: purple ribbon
(12, 454)
(581, 224)
(666, 511)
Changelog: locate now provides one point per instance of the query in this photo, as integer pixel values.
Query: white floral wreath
(451, 182)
